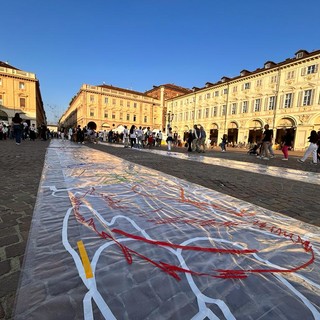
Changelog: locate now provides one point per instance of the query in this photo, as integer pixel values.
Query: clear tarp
(114, 240)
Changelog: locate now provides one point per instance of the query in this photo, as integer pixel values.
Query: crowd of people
(195, 140)
(20, 130)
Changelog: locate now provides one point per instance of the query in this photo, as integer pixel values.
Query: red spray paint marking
(172, 269)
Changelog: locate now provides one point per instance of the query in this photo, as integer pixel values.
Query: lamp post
(169, 119)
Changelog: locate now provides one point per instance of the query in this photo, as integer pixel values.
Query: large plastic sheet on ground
(114, 240)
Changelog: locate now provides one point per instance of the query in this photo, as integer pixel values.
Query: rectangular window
(106, 100)
(187, 116)
(290, 75)
(216, 93)
(247, 85)
(22, 102)
(105, 113)
(192, 115)
(207, 113)
(128, 104)
(128, 117)
(121, 116)
(288, 100)
(225, 91)
(208, 94)
(224, 110)
(91, 98)
(199, 114)
(234, 108)
(257, 105)
(134, 104)
(21, 85)
(91, 112)
(121, 103)
(274, 79)
(215, 111)
(307, 97)
(200, 98)
(145, 119)
(311, 69)
(245, 107)
(259, 82)
(272, 103)
(234, 89)
(134, 118)
(113, 116)
(114, 101)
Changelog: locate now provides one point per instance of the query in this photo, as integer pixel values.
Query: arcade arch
(233, 130)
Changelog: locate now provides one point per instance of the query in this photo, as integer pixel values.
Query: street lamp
(169, 119)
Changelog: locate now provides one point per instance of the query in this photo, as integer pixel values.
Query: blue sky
(136, 44)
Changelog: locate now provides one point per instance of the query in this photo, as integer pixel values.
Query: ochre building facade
(20, 92)
(111, 107)
(283, 95)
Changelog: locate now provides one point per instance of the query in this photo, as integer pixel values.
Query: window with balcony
(288, 100)
(257, 105)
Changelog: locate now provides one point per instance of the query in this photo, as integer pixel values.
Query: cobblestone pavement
(20, 171)
(21, 168)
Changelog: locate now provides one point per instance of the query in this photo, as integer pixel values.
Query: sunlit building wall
(20, 92)
(112, 107)
(283, 95)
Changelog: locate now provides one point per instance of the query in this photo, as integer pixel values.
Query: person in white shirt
(139, 134)
(126, 137)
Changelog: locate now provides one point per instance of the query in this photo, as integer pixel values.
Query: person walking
(17, 130)
(132, 136)
(312, 149)
(203, 137)
(169, 139)
(126, 137)
(286, 144)
(224, 141)
(266, 142)
(32, 132)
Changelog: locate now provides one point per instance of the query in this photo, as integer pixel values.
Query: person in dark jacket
(312, 149)
(17, 128)
(286, 144)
